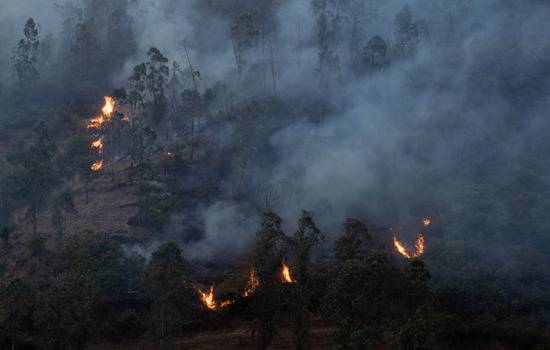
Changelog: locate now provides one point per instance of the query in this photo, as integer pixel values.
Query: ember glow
(253, 283)
(286, 277)
(419, 246)
(96, 124)
(426, 221)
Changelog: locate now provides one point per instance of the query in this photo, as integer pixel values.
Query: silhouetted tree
(245, 37)
(85, 48)
(64, 204)
(408, 33)
(374, 55)
(26, 56)
(302, 243)
(267, 261)
(165, 279)
(156, 79)
(38, 171)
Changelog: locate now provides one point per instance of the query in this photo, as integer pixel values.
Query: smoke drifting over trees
(385, 111)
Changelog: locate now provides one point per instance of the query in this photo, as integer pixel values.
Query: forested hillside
(274, 174)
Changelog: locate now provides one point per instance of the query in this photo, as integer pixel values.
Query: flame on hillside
(426, 221)
(400, 248)
(96, 123)
(419, 245)
(286, 277)
(253, 283)
(98, 144)
(208, 299)
(109, 106)
(97, 166)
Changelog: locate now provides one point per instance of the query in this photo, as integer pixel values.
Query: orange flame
(253, 283)
(400, 248)
(109, 107)
(98, 144)
(96, 123)
(105, 116)
(97, 166)
(418, 247)
(286, 277)
(209, 300)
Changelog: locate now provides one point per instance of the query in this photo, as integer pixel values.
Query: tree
(16, 309)
(329, 62)
(80, 158)
(408, 33)
(119, 45)
(364, 300)
(165, 278)
(267, 261)
(5, 235)
(156, 80)
(64, 204)
(371, 300)
(354, 242)
(374, 54)
(136, 93)
(37, 173)
(26, 56)
(302, 243)
(89, 277)
(85, 49)
(244, 35)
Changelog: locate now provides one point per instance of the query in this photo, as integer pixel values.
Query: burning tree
(97, 125)
(369, 297)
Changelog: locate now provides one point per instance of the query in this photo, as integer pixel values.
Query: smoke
(455, 131)
(442, 133)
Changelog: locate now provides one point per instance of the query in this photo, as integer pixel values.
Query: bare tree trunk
(87, 188)
(273, 70)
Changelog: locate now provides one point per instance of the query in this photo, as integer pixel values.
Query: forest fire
(208, 299)
(96, 123)
(286, 277)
